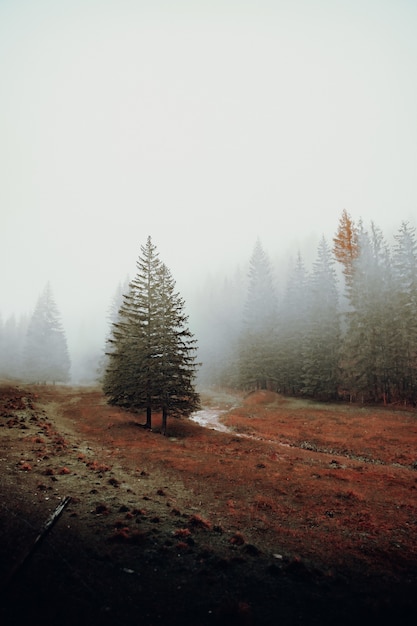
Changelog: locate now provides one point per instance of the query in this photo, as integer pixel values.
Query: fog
(203, 124)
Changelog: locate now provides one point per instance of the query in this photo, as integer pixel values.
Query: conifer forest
(345, 328)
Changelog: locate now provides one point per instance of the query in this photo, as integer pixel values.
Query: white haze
(203, 124)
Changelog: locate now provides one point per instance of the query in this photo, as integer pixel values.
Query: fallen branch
(42, 534)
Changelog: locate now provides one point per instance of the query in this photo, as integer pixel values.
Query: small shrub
(102, 509)
(119, 524)
(120, 535)
(237, 539)
(263, 504)
(141, 512)
(98, 467)
(25, 466)
(199, 522)
(182, 532)
(137, 537)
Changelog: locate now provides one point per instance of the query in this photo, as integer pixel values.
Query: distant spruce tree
(10, 349)
(293, 328)
(113, 316)
(322, 341)
(218, 306)
(46, 357)
(370, 334)
(256, 352)
(404, 295)
(151, 352)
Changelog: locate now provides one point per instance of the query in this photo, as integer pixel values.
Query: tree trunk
(164, 420)
(148, 417)
(42, 534)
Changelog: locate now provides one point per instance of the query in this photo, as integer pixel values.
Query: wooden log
(52, 519)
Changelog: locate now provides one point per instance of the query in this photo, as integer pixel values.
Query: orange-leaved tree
(346, 245)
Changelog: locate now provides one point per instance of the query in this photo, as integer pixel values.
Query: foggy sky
(202, 124)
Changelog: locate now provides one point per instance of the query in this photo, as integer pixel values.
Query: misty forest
(346, 328)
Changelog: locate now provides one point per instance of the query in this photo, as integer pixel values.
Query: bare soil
(302, 513)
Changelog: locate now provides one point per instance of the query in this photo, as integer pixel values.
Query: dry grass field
(300, 513)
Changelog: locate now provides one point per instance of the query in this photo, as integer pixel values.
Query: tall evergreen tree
(293, 327)
(405, 297)
(12, 343)
(256, 343)
(10, 357)
(46, 350)
(177, 348)
(218, 307)
(130, 379)
(366, 350)
(113, 316)
(152, 356)
(321, 349)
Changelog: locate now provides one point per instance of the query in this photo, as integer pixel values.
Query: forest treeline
(34, 349)
(345, 329)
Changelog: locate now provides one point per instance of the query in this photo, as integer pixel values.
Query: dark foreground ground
(150, 536)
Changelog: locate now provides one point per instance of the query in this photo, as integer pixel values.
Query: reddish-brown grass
(334, 484)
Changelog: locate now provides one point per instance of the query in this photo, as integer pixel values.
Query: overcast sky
(203, 124)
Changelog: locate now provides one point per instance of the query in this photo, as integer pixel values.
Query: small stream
(209, 418)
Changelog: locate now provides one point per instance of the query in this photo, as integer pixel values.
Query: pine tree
(321, 349)
(113, 316)
(369, 335)
(46, 351)
(152, 356)
(10, 356)
(130, 379)
(256, 343)
(293, 329)
(218, 307)
(177, 353)
(405, 297)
